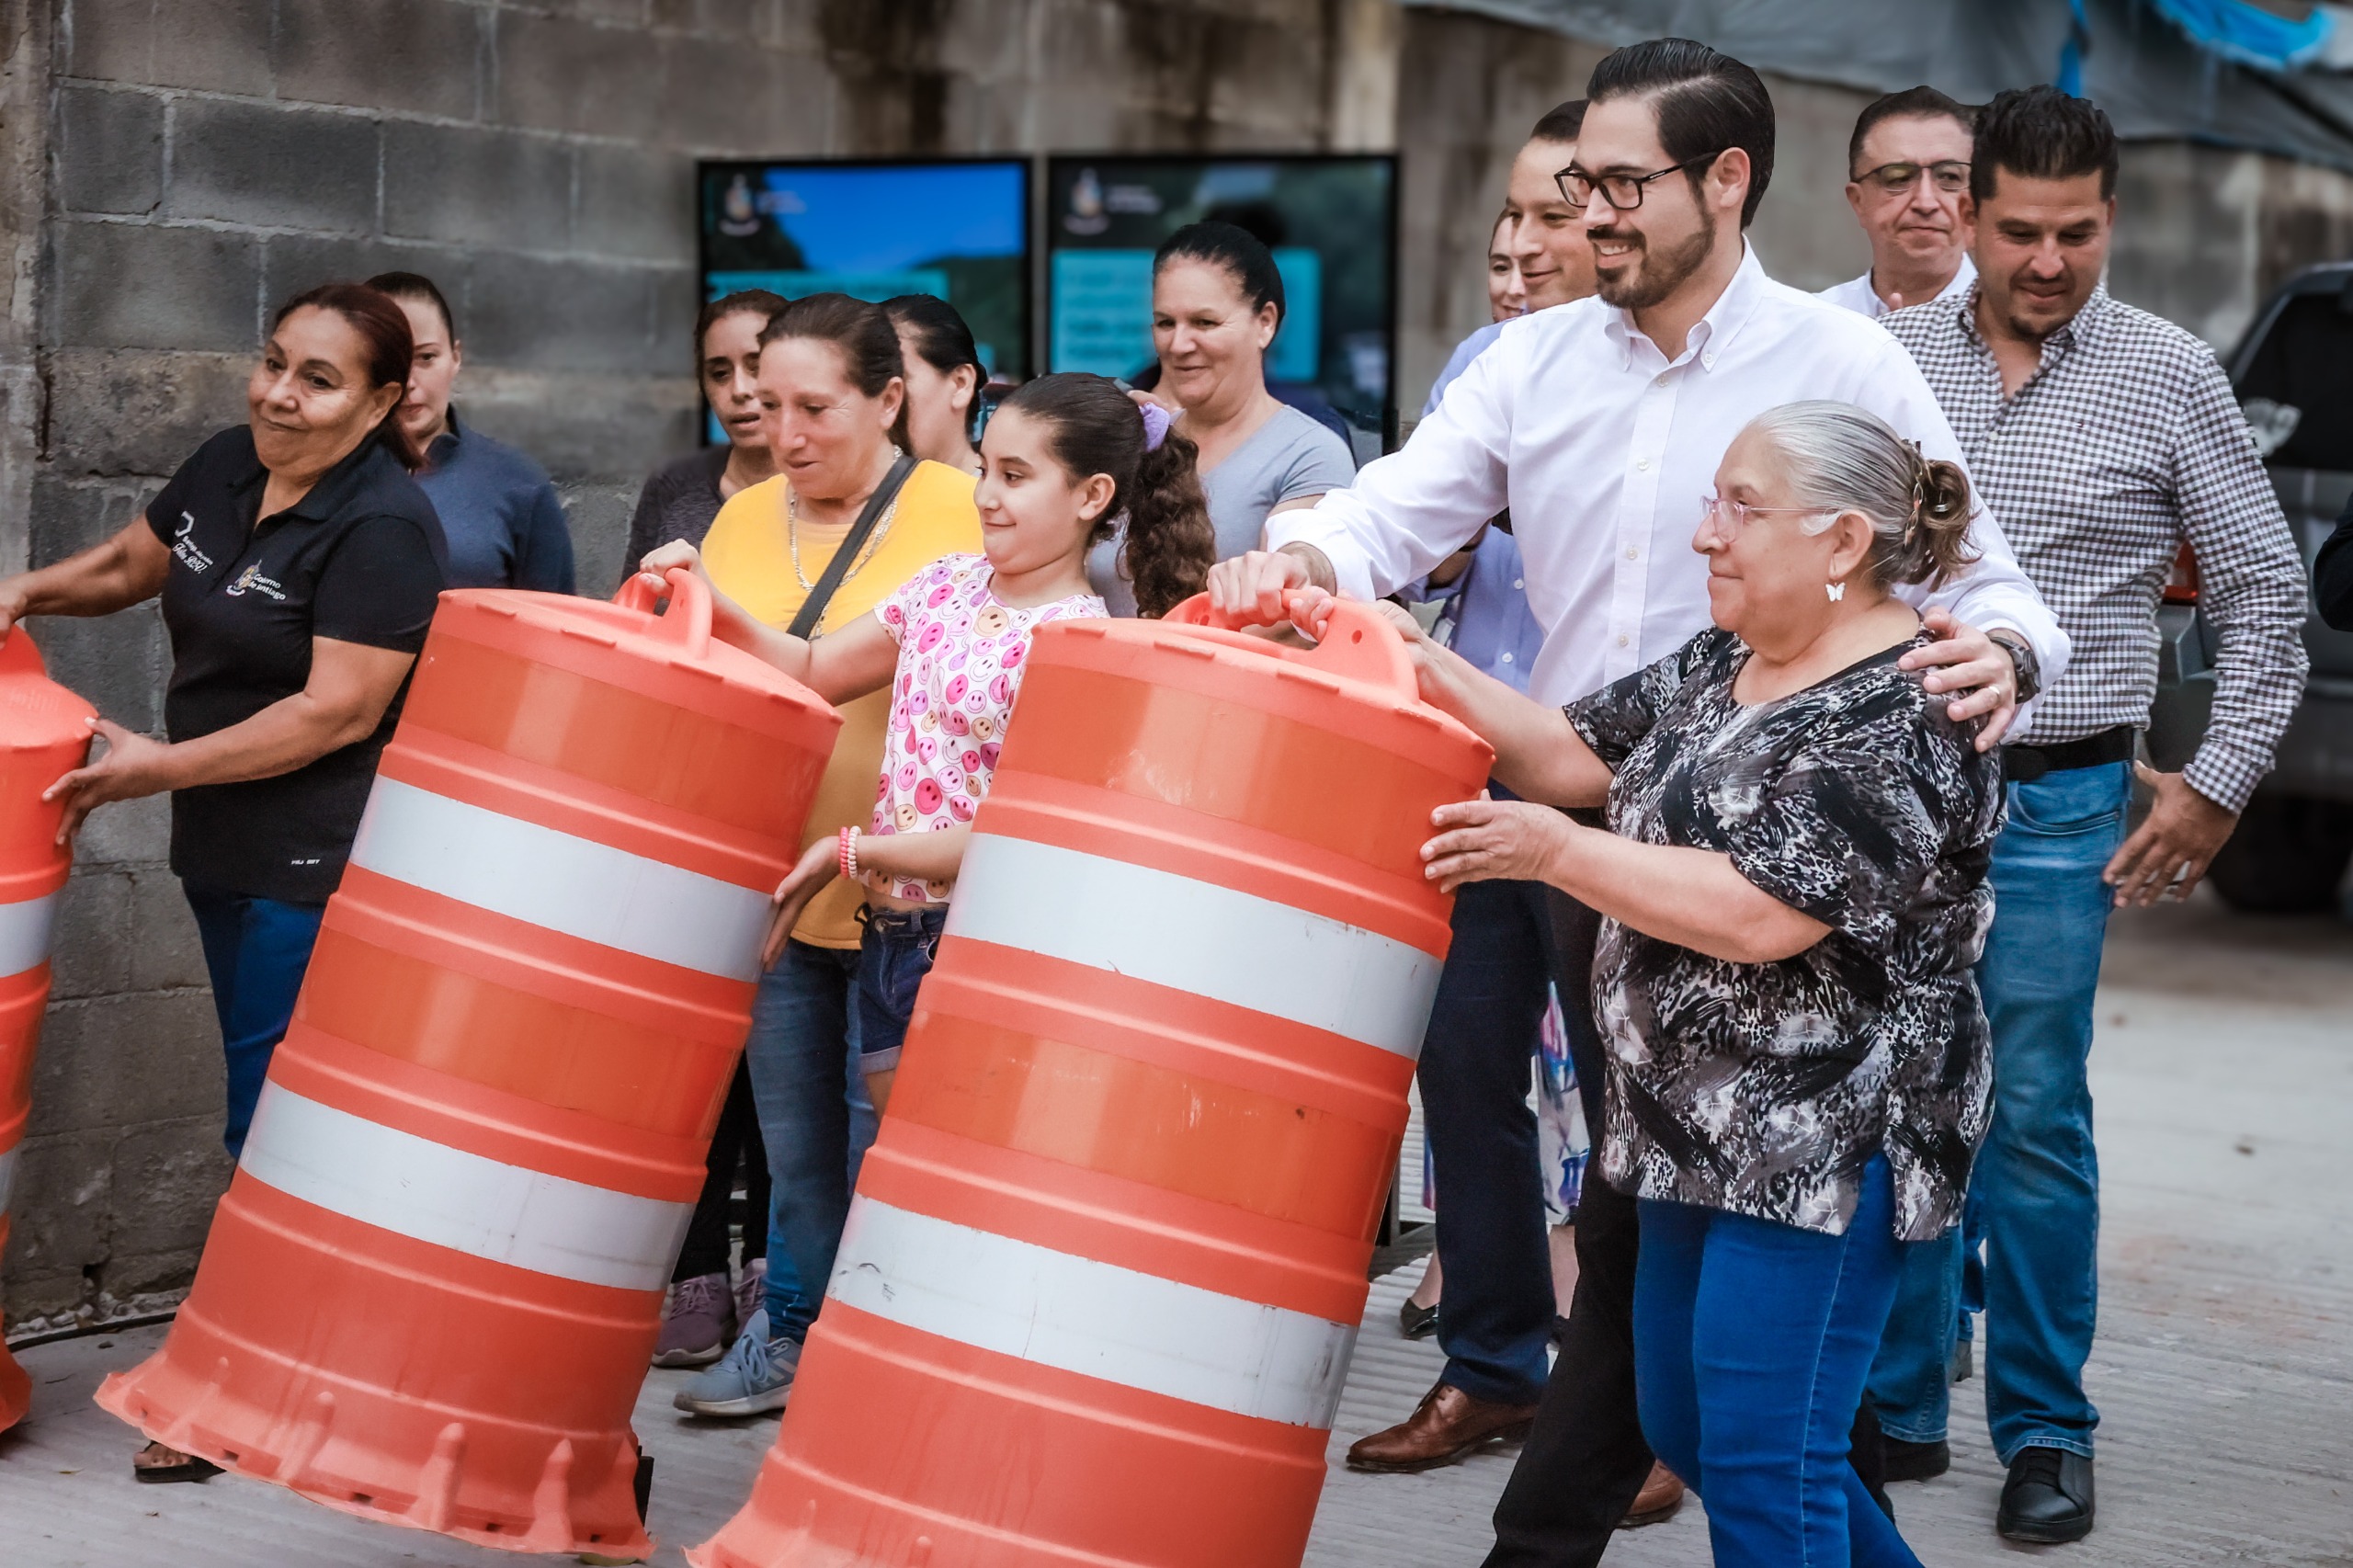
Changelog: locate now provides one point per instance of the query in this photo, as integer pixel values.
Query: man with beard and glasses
(1509, 1278)
(1907, 172)
(1601, 424)
(2109, 438)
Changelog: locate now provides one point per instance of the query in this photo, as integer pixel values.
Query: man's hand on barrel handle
(1250, 589)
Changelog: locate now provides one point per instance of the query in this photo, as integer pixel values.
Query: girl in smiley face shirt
(1066, 459)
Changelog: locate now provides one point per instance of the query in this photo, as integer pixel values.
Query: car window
(2298, 387)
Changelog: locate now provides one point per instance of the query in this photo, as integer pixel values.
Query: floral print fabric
(1765, 1088)
(961, 654)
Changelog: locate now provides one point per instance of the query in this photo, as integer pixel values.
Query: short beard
(1662, 273)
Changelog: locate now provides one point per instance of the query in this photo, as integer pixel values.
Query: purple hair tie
(1156, 421)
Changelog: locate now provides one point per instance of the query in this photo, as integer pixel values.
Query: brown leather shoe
(1446, 1426)
(1655, 1504)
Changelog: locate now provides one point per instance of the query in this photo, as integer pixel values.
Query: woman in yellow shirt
(833, 396)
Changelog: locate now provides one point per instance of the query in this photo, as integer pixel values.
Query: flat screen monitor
(1330, 221)
(956, 228)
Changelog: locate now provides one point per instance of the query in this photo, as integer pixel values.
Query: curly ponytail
(1845, 459)
(1156, 497)
(1936, 536)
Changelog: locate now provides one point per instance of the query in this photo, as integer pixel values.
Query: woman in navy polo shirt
(501, 518)
(298, 565)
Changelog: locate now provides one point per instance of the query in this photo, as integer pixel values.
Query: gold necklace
(792, 539)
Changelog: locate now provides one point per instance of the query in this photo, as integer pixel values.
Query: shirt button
(1518, 583)
(1506, 658)
(1661, 381)
(1632, 554)
(1622, 640)
(1644, 463)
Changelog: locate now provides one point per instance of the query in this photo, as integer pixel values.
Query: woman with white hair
(1795, 887)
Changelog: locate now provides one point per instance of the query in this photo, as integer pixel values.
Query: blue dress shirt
(499, 512)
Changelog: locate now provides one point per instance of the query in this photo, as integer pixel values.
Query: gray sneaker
(754, 1377)
(694, 1328)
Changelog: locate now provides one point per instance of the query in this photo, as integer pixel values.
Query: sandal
(182, 1467)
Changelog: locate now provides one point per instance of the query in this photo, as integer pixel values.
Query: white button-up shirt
(1858, 295)
(1602, 448)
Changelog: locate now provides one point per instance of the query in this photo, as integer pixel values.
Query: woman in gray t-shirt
(1216, 301)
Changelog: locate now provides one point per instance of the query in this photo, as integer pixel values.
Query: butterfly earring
(1836, 590)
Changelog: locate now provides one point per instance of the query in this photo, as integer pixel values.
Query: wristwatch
(2022, 661)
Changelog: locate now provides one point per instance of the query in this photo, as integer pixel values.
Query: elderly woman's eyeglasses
(1729, 517)
(1949, 175)
(1623, 192)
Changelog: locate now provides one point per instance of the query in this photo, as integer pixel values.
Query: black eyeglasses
(1623, 192)
(1950, 175)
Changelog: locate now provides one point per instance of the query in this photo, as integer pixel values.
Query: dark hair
(1241, 254)
(2043, 133)
(939, 333)
(1845, 459)
(758, 303)
(1912, 103)
(861, 331)
(1562, 122)
(1098, 428)
(416, 285)
(1707, 103)
(385, 338)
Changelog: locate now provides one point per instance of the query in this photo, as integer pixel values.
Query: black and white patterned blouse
(1763, 1089)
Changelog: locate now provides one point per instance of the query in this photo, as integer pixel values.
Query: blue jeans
(814, 1118)
(255, 950)
(896, 952)
(1497, 1318)
(1752, 1340)
(2035, 1191)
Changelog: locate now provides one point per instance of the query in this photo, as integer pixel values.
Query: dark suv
(2294, 377)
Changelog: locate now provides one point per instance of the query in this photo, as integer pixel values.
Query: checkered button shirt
(2125, 442)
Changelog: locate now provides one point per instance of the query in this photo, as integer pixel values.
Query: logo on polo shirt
(251, 577)
(184, 549)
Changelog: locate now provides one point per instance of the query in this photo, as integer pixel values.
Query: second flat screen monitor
(1330, 223)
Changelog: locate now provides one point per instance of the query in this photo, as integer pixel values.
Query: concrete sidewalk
(2225, 1369)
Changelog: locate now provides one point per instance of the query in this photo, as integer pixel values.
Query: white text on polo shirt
(185, 549)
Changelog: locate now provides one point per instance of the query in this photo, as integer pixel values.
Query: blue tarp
(2140, 59)
(2247, 33)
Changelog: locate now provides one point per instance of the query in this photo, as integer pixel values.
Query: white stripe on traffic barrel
(24, 933)
(1196, 937)
(414, 1186)
(563, 882)
(1056, 1310)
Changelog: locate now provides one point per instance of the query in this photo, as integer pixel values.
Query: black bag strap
(812, 608)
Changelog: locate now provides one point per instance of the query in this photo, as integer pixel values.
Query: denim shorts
(893, 956)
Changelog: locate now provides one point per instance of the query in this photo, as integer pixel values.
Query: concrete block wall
(177, 166)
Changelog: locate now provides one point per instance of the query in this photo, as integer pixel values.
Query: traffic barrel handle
(688, 621)
(20, 656)
(1358, 644)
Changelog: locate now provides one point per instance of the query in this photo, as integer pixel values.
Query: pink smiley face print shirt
(961, 654)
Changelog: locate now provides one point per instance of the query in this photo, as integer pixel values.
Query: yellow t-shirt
(749, 555)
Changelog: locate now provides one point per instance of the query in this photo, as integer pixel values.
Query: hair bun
(1941, 495)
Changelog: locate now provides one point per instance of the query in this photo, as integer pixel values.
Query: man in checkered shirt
(2103, 438)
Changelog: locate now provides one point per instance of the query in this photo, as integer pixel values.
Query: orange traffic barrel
(430, 1292)
(1100, 1282)
(44, 734)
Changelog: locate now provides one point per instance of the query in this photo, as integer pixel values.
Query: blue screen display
(960, 231)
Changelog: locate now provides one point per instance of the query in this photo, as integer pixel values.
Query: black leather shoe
(1914, 1461)
(1418, 1321)
(2048, 1497)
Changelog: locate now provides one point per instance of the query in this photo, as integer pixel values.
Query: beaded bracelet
(847, 853)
